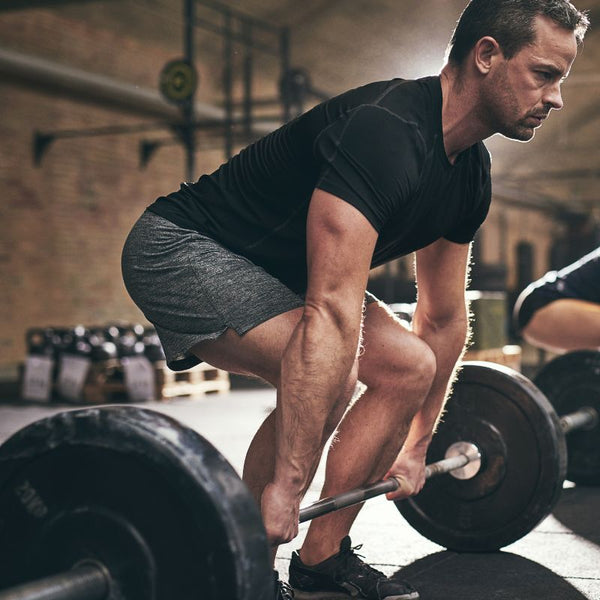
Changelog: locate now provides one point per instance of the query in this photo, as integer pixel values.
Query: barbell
(125, 503)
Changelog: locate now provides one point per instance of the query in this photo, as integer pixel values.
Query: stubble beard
(503, 111)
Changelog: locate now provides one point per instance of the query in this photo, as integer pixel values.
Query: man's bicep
(340, 245)
(442, 273)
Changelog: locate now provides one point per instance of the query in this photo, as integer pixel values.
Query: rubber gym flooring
(558, 560)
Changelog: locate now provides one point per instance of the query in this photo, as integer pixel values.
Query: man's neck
(461, 125)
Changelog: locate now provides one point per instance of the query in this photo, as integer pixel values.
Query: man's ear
(485, 52)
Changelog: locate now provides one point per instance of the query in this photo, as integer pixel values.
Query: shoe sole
(300, 595)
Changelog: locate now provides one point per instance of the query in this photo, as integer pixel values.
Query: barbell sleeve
(87, 581)
(358, 495)
(584, 418)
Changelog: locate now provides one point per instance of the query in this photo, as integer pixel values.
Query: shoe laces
(352, 561)
(285, 591)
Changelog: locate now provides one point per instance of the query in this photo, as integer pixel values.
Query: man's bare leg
(398, 369)
(260, 458)
(259, 353)
(396, 365)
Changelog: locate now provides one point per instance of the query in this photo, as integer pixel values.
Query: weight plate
(523, 463)
(144, 495)
(178, 80)
(572, 381)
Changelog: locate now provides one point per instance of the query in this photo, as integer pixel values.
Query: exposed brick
(63, 223)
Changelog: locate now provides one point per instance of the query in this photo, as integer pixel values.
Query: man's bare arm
(322, 350)
(441, 321)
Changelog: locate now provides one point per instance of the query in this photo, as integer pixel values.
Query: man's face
(525, 88)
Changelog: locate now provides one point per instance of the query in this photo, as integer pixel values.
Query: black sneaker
(343, 576)
(282, 590)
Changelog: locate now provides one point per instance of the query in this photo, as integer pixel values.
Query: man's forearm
(315, 368)
(448, 344)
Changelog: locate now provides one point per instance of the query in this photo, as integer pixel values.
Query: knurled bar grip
(84, 582)
(358, 495)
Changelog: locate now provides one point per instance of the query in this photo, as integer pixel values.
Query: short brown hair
(511, 24)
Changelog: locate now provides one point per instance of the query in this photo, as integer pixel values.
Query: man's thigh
(256, 352)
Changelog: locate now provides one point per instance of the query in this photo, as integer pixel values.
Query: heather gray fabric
(192, 289)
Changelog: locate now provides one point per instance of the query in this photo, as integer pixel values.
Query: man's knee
(422, 368)
(408, 371)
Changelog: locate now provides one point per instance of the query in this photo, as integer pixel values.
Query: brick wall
(63, 224)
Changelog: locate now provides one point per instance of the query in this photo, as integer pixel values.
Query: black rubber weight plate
(571, 382)
(523, 463)
(137, 491)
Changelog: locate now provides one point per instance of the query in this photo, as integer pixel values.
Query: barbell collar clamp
(460, 451)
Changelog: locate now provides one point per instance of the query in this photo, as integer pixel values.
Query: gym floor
(558, 560)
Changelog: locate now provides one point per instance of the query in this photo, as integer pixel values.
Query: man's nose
(553, 97)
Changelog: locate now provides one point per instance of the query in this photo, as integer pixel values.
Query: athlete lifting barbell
(261, 267)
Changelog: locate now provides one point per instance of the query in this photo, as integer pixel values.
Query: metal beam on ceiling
(79, 83)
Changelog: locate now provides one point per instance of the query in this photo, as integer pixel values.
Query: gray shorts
(193, 289)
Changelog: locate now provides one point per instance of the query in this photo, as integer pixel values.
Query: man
(561, 311)
(261, 267)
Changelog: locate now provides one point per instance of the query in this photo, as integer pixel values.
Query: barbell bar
(458, 456)
(87, 581)
(468, 453)
(104, 500)
(584, 418)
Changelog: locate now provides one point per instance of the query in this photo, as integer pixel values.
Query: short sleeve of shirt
(466, 230)
(371, 159)
(582, 278)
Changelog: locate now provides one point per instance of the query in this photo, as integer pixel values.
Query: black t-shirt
(378, 147)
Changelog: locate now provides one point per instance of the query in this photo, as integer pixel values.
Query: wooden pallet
(198, 380)
(105, 383)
